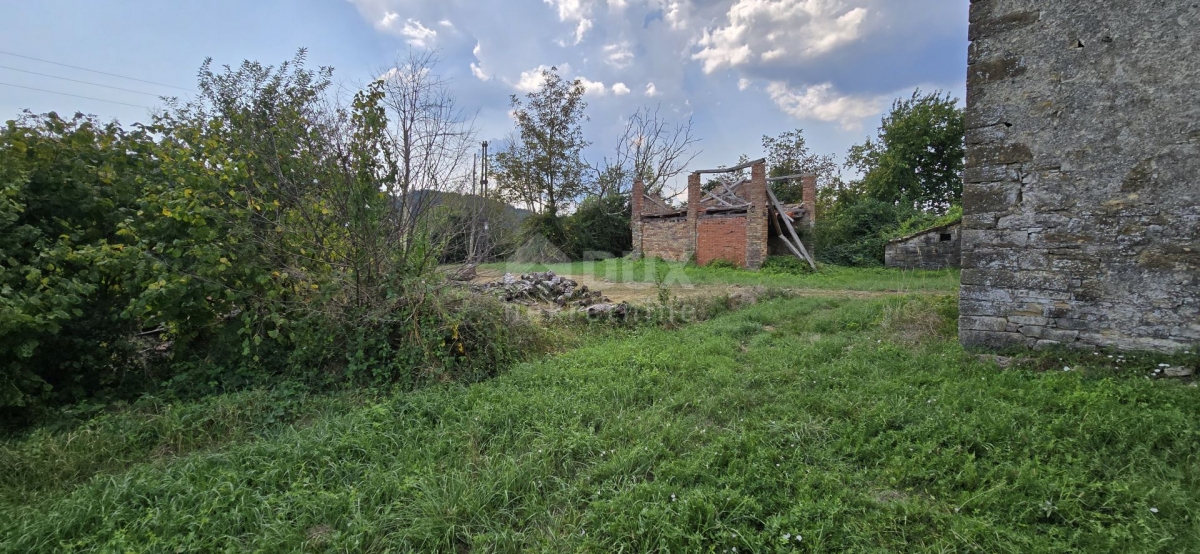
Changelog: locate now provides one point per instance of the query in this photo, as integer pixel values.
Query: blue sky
(739, 68)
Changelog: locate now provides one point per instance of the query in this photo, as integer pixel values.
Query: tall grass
(803, 424)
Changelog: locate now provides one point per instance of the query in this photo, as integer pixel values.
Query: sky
(740, 69)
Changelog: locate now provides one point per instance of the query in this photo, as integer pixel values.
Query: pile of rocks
(531, 288)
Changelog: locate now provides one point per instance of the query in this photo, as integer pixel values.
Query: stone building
(738, 224)
(934, 248)
(1082, 189)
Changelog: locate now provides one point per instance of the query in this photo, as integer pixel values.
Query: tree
(650, 147)
(543, 166)
(788, 154)
(918, 156)
(430, 139)
(600, 225)
(728, 179)
(66, 188)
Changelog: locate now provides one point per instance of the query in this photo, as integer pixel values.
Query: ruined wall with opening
(732, 222)
(938, 248)
(1082, 192)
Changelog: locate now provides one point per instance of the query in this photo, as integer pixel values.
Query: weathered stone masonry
(935, 248)
(1082, 189)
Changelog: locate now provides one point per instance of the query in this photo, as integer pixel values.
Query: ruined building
(741, 223)
(937, 247)
(1082, 193)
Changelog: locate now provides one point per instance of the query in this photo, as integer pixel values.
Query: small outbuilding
(934, 248)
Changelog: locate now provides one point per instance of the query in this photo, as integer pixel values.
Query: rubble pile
(531, 288)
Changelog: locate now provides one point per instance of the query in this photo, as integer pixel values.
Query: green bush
(600, 226)
(785, 265)
(66, 188)
(854, 230)
(243, 239)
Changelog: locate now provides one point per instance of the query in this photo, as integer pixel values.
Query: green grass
(829, 278)
(858, 425)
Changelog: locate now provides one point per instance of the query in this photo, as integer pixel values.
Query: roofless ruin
(741, 223)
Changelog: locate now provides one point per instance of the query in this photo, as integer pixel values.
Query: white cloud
(387, 20)
(674, 12)
(580, 30)
(618, 55)
(593, 88)
(620, 89)
(743, 84)
(446, 23)
(617, 6)
(417, 34)
(477, 68)
(578, 11)
(479, 73)
(777, 29)
(651, 90)
(823, 103)
(571, 10)
(531, 80)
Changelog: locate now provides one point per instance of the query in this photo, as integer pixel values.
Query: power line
(78, 81)
(95, 71)
(76, 96)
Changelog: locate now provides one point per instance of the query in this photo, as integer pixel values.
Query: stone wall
(1082, 190)
(722, 238)
(938, 248)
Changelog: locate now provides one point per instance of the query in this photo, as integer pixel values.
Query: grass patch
(673, 274)
(856, 425)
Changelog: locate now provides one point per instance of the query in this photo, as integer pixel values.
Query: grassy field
(680, 274)
(795, 425)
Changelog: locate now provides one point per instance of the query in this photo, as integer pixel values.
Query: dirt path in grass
(636, 293)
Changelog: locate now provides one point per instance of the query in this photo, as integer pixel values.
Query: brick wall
(637, 201)
(668, 239)
(1081, 198)
(721, 238)
(756, 217)
(808, 188)
(739, 238)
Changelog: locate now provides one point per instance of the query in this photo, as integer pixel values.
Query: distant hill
(442, 197)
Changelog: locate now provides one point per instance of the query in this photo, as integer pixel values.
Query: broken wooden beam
(732, 169)
(787, 221)
(788, 177)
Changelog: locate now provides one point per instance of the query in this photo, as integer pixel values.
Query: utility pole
(474, 216)
(479, 198)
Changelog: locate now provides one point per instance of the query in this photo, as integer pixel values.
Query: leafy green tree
(788, 154)
(918, 155)
(854, 228)
(601, 224)
(66, 188)
(543, 166)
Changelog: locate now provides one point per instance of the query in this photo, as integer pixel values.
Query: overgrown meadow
(792, 425)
